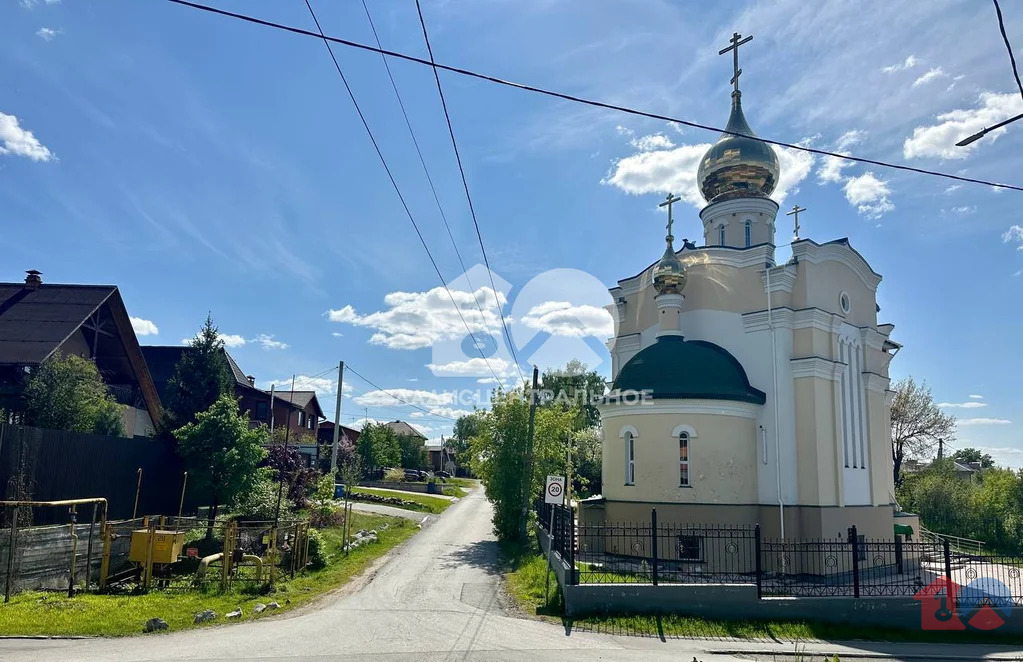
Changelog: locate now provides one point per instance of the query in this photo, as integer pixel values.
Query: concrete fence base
(739, 601)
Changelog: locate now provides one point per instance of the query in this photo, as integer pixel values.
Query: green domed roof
(687, 369)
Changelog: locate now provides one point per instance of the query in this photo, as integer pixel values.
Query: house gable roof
(403, 429)
(36, 322)
(301, 399)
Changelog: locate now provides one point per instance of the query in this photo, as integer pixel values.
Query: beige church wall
(824, 284)
(813, 342)
(722, 459)
(881, 478)
(815, 442)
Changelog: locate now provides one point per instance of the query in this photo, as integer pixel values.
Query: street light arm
(980, 134)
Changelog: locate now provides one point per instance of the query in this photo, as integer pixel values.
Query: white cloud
(962, 405)
(963, 210)
(953, 188)
(402, 396)
(933, 74)
(420, 319)
(232, 340)
(143, 327)
(47, 34)
(473, 367)
(652, 142)
(20, 142)
(324, 386)
(624, 131)
(561, 318)
(449, 412)
(1014, 234)
(831, 168)
(674, 170)
(983, 421)
(939, 140)
(869, 194)
(908, 63)
(32, 4)
(976, 397)
(360, 423)
(268, 342)
(1018, 273)
(337, 334)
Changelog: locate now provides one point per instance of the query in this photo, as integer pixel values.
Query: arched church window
(630, 458)
(749, 233)
(721, 236)
(683, 459)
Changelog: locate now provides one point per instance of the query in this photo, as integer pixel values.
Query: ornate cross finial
(795, 213)
(668, 202)
(736, 41)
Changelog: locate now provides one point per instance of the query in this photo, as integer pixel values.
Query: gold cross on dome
(668, 202)
(736, 41)
(795, 213)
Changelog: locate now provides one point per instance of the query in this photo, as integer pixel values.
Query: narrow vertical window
(683, 459)
(630, 459)
(749, 234)
(721, 236)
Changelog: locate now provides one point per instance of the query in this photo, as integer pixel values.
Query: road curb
(862, 655)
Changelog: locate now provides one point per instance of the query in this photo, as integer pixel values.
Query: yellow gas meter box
(166, 546)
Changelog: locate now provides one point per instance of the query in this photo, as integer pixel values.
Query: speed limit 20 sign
(554, 492)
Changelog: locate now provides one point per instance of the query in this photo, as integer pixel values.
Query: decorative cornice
(837, 251)
(876, 383)
(611, 410)
(873, 338)
(759, 206)
(780, 318)
(783, 278)
(816, 366)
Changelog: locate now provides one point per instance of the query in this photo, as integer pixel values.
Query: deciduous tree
(222, 453)
(378, 447)
(917, 423)
(66, 392)
(966, 455)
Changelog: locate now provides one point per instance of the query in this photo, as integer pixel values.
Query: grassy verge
(526, 582)
(123, 614)
(467, 483)
(413, 500)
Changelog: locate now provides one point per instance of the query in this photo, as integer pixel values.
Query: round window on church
(843, 301)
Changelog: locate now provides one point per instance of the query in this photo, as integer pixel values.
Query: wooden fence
(50, 465)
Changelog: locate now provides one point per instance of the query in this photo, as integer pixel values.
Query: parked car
(441, 474)
(415, 474)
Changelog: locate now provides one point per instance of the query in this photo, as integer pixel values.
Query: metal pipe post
(74, 553)
(12, 547)
(138, 489)
(88, 552)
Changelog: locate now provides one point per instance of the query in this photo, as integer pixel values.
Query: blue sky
(203, 164)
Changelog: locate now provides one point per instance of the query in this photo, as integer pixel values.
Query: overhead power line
(465, 187)
(1008, 47)
(393, 395)
(436, 198)
(590, 102)
(394, 184)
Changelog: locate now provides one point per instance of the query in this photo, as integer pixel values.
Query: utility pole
(337, 416)
(272, 411)
(527, 460)
(941, 448)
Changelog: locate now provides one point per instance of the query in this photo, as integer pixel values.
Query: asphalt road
(438, 597)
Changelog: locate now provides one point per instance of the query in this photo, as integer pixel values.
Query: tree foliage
(413, 452)
(66, 392)
(586, 462)
(498, 454)
(222, 452)
(298, 478)
(987, 506)
(466, 427)
(200, 377)
(378, 447)
(573, 387)
(967, 455)
(917, 423)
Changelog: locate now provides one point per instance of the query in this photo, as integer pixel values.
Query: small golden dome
(669, 273)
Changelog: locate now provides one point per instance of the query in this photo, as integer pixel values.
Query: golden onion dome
(736, 166)
(669, 272)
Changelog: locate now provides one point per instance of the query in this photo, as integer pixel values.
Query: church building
(746, 391)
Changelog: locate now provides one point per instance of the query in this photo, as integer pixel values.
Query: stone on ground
(155, 624)
(205, 616)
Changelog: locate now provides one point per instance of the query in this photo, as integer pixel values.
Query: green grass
(526, 582)
(414, 500)
(467, 483)
(124, 614)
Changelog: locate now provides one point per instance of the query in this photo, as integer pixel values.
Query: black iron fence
(653, 553)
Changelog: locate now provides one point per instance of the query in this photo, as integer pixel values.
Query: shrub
(259, 504)
(394, 475)
(326, 515)
(318, 557)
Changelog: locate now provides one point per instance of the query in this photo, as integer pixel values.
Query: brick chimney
(33, 280)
